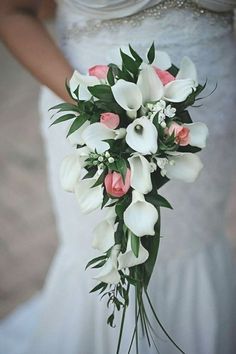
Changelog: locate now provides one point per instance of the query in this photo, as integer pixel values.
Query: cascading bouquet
(132, 134)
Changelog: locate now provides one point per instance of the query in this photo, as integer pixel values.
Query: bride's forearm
(31, 44)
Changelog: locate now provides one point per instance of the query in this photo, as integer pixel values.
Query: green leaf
(103, 92)
(129, 63)
(100, 179)
(121, 168)
(100, 264)
(138, 59)
(105, 199)
(78, 122)
(65, 107)
(90, 173)
(151, 243)
(95, 260)
(135, 244)
(68, 90)
(63, 118)
(119, 233)
(110, 320)
(110, 76)
(173, 70)
(163, 202)
(98, 287)
(151, 54)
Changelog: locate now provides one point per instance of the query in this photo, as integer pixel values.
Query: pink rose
(111, 120)
(181, 134)
(164, 76)
(100, 71)
(114, 183)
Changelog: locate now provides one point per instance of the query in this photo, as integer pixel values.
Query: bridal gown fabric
(193, 285)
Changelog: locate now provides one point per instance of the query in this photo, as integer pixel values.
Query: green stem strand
(158, 321)
(122, 325)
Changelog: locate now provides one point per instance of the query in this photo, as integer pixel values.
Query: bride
(193, 286)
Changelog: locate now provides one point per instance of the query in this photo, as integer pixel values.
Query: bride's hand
(28, 40)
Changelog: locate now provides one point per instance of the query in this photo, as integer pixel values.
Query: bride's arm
(30, 43)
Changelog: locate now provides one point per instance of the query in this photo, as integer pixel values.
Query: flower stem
(122, 324)
(158, 321)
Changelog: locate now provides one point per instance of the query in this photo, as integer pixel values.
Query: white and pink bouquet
(132, 133)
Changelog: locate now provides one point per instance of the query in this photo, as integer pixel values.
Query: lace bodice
(207, 38)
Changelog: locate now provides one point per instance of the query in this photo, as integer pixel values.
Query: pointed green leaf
(63, 118)
(78, 122)
(135, 244)
(151, 54)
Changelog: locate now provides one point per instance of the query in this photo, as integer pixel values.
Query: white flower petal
(94, 135)
(198, 134)
(187, 70)
(109, 272)
(88, 198)
(104, 232)
(69, 172)
(162, 60)
(149, 84)
(186, 167)
(140, 216)
(127, 95)
(83, 81)
(178, 90)
(143, 141)
(140, 173)
(128, 259)
(76, 137)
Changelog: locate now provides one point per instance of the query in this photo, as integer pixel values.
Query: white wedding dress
(193, 285)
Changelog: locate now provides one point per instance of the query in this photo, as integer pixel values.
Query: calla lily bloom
(128, 259)
(198, 134)
(95, 134)
(178, 90)
(128, 96)
(89, 198)
(140, 216)
(140, 173)
(109, 272)
(76, 137)
(104, 232)
(70, 172)
(83, 81)
(187, 70)
(183, 166)
(142, 136)
(150, 84)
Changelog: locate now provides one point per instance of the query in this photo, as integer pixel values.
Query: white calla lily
(89, 198)
(140, 173)
(198, 134)
(76, 137)
(109, 272)
(128, 96)
(142, 136)
(178, 90)
(95, 134)
(187, 70)
(140, 216)
(104, 232)
(83, 81)
(149, 84)
(128, 258)
(162, 60)
(70, 172)
(183, 166)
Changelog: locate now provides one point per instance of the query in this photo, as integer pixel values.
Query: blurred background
(27, 228)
